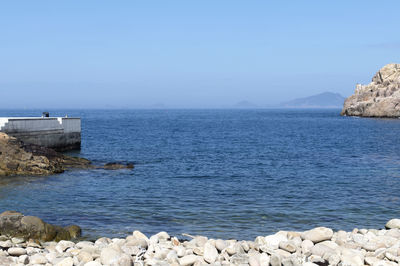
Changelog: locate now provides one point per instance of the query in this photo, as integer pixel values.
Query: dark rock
(74, 231)
(116, 166)
(15, 224)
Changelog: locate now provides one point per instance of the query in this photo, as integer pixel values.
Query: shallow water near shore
(220, 173)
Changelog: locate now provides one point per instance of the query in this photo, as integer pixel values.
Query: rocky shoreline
(19, 158)
(318, 246)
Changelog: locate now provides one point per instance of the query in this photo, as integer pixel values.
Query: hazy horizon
(177, 54)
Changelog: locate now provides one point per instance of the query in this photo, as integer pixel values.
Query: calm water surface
(220, 173)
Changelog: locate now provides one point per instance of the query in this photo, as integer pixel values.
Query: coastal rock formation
(18, 158)
(319, 246)
(19, 228)
(380, 98)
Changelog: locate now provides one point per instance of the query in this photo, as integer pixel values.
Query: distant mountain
(245, 104)
(322, 100)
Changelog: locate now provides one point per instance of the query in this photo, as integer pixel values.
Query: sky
(189, 54)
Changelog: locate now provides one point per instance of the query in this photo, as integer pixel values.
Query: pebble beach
(318, 246)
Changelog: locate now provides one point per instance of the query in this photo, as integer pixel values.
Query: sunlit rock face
(380, 98)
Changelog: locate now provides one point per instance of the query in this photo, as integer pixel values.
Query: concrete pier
(59, 133)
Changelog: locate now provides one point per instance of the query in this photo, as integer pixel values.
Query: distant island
(245, 105)
(322, 100)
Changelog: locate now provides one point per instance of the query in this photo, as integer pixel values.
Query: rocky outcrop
(380, 98)
(15, 225)
(19, 158)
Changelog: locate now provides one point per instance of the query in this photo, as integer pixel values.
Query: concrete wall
(60, 133)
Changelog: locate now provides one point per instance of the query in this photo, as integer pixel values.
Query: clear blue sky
(204, 53)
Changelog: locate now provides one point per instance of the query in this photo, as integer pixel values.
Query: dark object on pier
(45, 114)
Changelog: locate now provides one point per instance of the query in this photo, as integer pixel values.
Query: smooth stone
(330, 244)
(37, 259)
(238, 259)
(245, 246)
(254, 260)
(180, 251)
(6, 244)
(142, 243)
(16, 251)
(306, 246)
(288, 246)
(321, 249)
(17, 240)
(291, 261)
(200, 241)
(154, 240)
(131, 250)
(84, 244)
(140, 235)
(264, 259)
(395, 232)
(231, 250)
(275, 260)
(93, 263)
(372, 246)
(388, 241)
(220, 244)
(380, 253)
(109, 256)
(172, 256)
(6, 260)
(359, 239)
(198, 251)
(125, 260)
(384, 263)
(210, 253)
(84, 256)
(371, 260)
(31, 251)
(24, 259)
(66, 262)
(282, 253)
(351, 257)
(316, 259)
(390, 256)
(102, 242)
(318, 234)
(163, 235)
(188, 260)
(51, 256)
(394, 223)
(259, 241)
(334, 259)
(63, 245)
(118, 241)
(272, 241)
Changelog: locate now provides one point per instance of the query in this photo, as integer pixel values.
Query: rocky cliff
(380, 98)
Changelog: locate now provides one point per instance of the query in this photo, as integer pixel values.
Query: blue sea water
(220, 173)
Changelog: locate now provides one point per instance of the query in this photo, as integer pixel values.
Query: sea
(231, 174)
